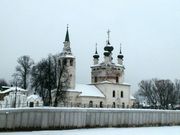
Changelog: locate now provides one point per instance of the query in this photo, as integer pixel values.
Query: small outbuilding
(34, 101)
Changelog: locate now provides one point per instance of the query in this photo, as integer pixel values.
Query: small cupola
(96, 56)
(120, 56)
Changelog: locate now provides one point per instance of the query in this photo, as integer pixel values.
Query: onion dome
(96, 55)
(106, 53)
(108, 48)
(120, 56)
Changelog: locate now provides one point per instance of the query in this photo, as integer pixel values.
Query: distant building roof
(13, 89)
(132, 98)
(33, 97)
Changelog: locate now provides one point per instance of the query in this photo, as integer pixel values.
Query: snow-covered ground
(174, 130)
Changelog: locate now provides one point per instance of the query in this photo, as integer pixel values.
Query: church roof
(87, 90)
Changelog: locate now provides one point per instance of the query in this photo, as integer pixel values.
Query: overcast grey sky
(149, 31)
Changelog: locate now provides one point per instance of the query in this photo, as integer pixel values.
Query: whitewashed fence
(64, 118)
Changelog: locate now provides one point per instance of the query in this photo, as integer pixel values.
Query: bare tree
(160, 93)
(166, 93)
(3, 83)
(50, 74)
(147, 89)
(38, 79)
(177, 90)
(24, 68)
(43, 78)
(62, 82)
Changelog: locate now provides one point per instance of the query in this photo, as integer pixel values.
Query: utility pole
(15, 95)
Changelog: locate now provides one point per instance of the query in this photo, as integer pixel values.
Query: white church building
(107, 87)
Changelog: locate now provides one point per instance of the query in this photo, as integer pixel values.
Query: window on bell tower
(117, 79)
(95, 79)
(122, 94)
(64, 62)
(114, 93)
(71, 62)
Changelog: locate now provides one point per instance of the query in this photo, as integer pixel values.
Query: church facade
(107, 87)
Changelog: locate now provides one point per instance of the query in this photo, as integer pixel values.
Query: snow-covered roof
(105, 82)
(104, 64)
(67, 55)
(34, 97)
(6, 87)
(119, 65)
(109, 82)
(13, 89)
(125, 83)
(87, 90)
(132, 98)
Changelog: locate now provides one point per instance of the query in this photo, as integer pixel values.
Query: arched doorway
(123, 105)
(101, 104)
(90, 103)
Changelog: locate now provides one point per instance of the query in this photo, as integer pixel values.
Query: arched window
(90, 103)
(117, 79)
(64, 62)
(95, 79)
(122, 94)
(123, 105)
(114, 93)
(114, 105)
(101, 104)
(71, 62)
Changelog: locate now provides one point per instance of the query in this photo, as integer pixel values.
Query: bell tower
(67, 60)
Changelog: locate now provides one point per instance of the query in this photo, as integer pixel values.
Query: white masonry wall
(108, 88)
(65, 118)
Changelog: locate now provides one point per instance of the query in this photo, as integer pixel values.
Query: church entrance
(90, 103)
(31, 104)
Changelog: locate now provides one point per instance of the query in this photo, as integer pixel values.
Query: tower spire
(96, 56)
(120, 49)
(67, 35)
(96, 49)
(67, 48)
(108, 33)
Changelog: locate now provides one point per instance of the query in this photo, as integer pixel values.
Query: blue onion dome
(106, 53)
